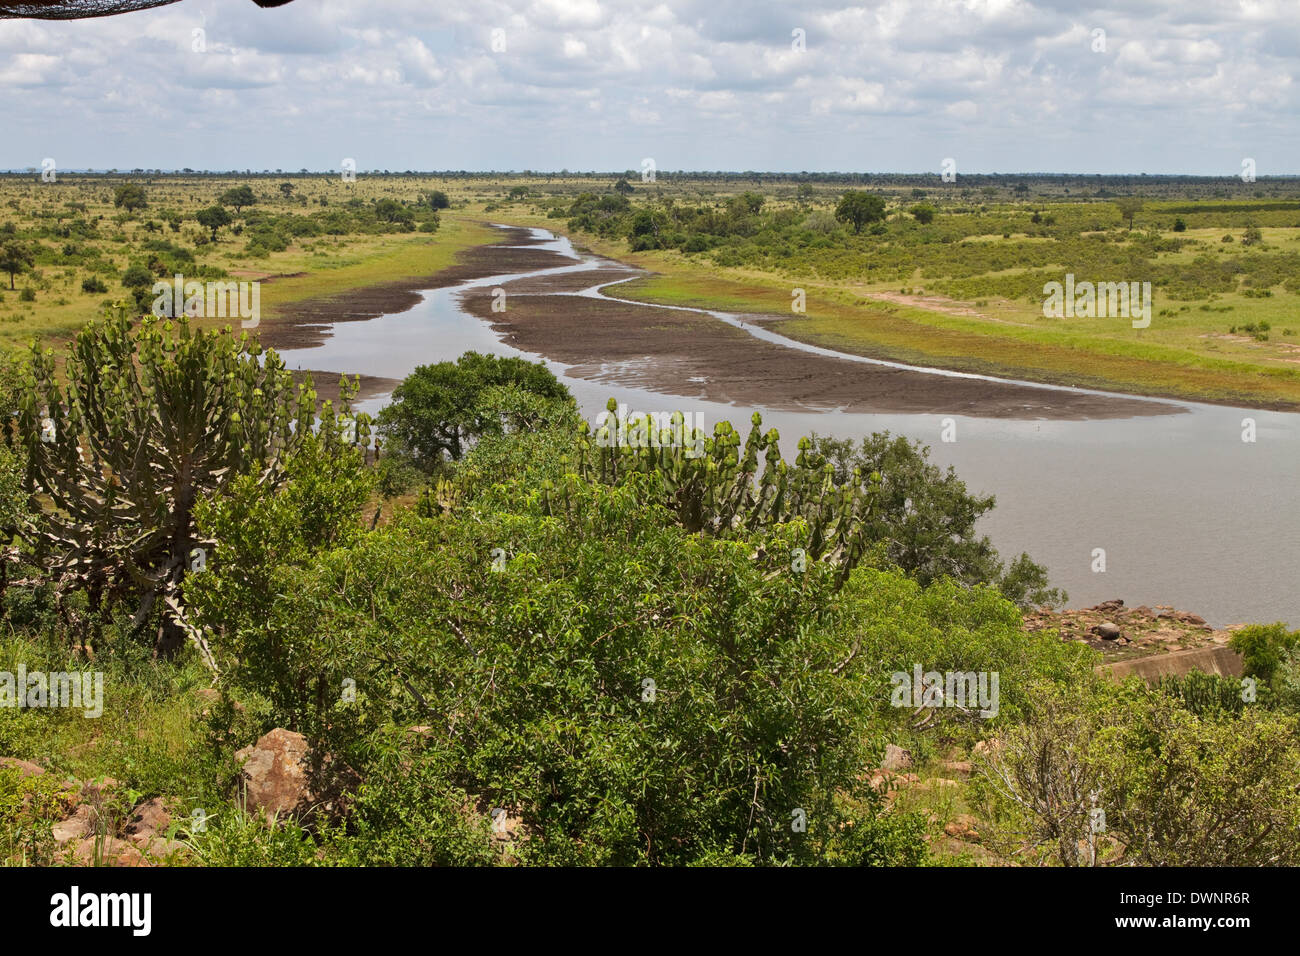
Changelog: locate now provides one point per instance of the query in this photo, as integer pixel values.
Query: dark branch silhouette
(79, 9)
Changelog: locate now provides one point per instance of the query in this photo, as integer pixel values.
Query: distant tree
(390, 210)
(860, 208)
(923, 213)
(623, 186)
(130, 196)
(1180, 225)
(438, 199)
(15, 257)
(805, 191)
(238, 196)
(286, 190)
(1129, 206)
(213, 218)
(519, 192)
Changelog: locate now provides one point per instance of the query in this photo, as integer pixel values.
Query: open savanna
(305, 236)
(965, 290)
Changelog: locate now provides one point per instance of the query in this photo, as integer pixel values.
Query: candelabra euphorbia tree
(142, 421)
(717, 485)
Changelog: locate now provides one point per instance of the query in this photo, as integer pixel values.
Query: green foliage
(860, 208)
(529, 682)
(15, 258)
(712, 484)
(926, 519)
(1262, 648)
(213, 218)
(28, 806)
(130, 196)
(262, 540)
(439, 411)
(237, 196)
(1176, 789)
(1205, 694)
(141, 424)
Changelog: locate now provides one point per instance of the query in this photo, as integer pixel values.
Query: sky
(1130, 86)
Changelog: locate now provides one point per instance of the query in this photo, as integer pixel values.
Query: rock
(960, 767)
(77, 827)
(95, 790)
(149, 820)
(26, 767)
(962, 827)
(1107, 631)
(896, 758)
(110, 852)
(1188, 618)
(275, 773)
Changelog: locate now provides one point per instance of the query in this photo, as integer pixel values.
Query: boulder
(26, 767)
(110, 852)
(896, 758)
(148, 820)
(275, 773)
(79, 826)
(1107, 631)
(962, 827)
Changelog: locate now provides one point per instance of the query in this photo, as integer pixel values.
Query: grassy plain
(962, 292)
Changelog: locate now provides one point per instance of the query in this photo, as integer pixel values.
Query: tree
(130, 196)
(213, 218)
(437, 412)
(623, 186)
(286, 190)
(390, 210)
(437, 199)
(150, 420)
(926, 519)
(923, 213)
(239, 197)
(15, 258)
(1263, 648)
(716, 485)
(1129, 206)
(860, 208)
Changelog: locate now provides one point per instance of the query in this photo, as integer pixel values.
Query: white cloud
(587, 83)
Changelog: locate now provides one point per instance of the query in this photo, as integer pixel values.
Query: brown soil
(693, 355)
(306, 323)
(675, 352)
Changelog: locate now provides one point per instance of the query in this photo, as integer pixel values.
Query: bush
(94, 285)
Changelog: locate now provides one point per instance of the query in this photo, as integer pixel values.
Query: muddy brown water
(1188, 513)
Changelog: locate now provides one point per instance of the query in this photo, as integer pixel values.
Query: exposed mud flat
(306, 323)
(619, 342)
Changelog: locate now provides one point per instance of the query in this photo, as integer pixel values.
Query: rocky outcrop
(275, 774)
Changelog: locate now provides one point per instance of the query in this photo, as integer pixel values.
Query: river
(1189, 515)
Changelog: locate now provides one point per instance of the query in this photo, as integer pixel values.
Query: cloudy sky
(1171, 86)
